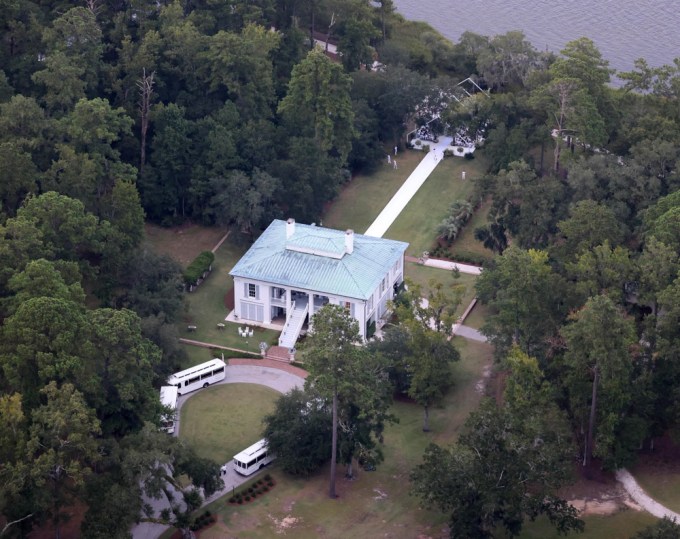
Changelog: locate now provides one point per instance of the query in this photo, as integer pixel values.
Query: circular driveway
(276, 379)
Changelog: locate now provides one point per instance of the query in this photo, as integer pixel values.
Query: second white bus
(197, 377)
(253, 458)
(169, 400)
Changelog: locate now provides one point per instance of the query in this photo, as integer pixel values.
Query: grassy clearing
(222, 420)
(377, 503)
(661, 484)
(360, 202)
(182, 243)
(621, 525)
(418, 223)
(422, 275)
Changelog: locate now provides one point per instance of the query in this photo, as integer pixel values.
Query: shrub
(469, 257)
(165, 514)
(271, 483)
(247, 498)
(370, 331)
(265, 488)
(239, 501)
(232, 499)
(198, 267)
(426, 148)
(417, 142)
(448, 153)
(469, 156)
(267, 477)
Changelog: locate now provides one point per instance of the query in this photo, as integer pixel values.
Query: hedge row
(198, 267)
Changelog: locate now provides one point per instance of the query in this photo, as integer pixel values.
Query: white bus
(197, 377)
(169, 400)
(253, 458)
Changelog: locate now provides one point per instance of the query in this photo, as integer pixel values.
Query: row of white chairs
(247, 332)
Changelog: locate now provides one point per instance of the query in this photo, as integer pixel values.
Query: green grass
(621, 525)
(360, 202)
(222, 420)
(206, 307)
(418, 223)
(466, 242)
(377, 504)
(422, 275)
(661, 484)
(477, 317)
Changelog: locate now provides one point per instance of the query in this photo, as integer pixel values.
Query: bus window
(217, 371)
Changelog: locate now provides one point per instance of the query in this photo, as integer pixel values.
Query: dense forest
(224, 113)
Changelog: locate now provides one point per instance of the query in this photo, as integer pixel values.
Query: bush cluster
(471, 258)
(206, 519)
(259, 487)
(467, 257)
(198, 267)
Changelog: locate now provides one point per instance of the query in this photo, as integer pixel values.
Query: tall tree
(599, 358)
(63, 447)
(507, 465)
(342, 372)
(299, 432)
(528, 299)
(318, 104)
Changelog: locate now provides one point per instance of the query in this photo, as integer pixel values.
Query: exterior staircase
(294, 322)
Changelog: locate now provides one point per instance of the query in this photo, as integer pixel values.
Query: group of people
(425, 133)
(461, 137)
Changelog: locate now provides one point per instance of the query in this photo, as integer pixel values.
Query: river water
(623, 30)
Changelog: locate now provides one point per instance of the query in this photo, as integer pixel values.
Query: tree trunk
(426, 419)
(591, 421)
(556, 154)
(350, 469)
(334, 444)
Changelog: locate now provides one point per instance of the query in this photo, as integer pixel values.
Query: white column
(267, 304)
(238, 288)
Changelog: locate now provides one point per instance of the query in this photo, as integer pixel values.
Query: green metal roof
(314, 258)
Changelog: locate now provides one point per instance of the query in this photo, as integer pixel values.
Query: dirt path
(219, 243)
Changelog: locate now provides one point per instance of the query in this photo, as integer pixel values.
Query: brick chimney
(349, 241)
(290, 228)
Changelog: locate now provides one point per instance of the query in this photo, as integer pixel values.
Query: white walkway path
(448, 265)
(409, 188)
(642, 498)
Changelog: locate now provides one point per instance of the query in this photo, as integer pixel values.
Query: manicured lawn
(661, 484)
(477, 317)
(206, 307)
(222, 420)
(621, 525)
(378, 503)
(422, 275)
(361, 200)
(465, 242)
(206, 304)
(198, 354)
(418, 223)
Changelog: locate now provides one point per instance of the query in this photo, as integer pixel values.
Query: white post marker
(462, 175)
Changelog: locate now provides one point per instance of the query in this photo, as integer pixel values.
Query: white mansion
(292, 270)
